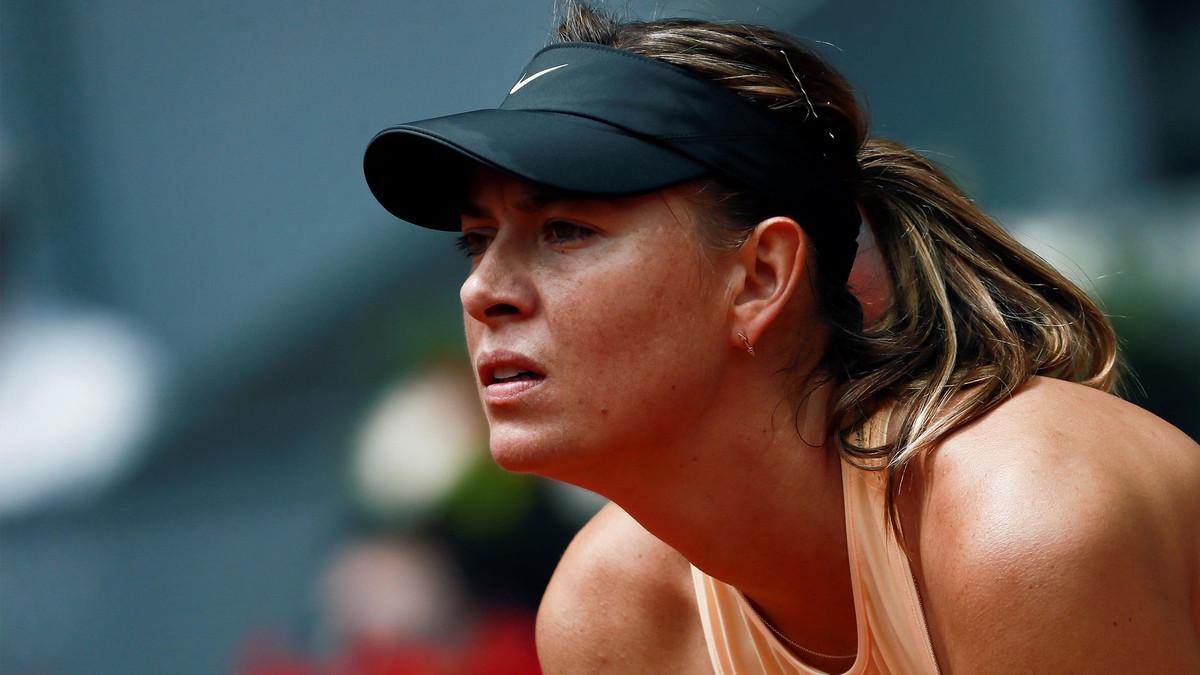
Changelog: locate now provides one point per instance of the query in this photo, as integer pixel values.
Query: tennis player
(844, 421)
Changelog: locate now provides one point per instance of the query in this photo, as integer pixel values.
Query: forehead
(486, 187)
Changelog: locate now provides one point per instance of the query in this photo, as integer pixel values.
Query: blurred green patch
(489, 502)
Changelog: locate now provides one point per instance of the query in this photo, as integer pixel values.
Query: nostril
(500, 310)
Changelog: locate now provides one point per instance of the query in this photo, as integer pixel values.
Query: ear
(773, 263)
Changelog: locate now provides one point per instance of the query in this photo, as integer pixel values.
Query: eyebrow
(538, 198)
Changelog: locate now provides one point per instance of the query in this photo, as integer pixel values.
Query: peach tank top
(892, 636)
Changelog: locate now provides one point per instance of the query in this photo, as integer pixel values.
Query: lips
(506, 375)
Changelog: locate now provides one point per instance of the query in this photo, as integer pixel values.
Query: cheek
(647, 344)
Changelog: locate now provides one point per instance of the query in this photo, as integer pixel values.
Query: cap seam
(682, 137)
(677, 71)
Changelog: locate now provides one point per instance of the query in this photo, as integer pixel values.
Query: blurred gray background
(202, 306)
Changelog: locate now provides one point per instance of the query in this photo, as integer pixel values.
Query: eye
(561, 232)
(472, 243)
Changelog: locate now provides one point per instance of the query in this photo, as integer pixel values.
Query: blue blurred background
(237, 428)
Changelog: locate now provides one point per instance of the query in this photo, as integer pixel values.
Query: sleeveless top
(892, 635)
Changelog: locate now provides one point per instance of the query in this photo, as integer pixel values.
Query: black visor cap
(419, 171)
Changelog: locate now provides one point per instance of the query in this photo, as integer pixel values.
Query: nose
(498, 289)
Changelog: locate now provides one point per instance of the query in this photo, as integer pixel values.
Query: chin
(516, 460)
(521, 452)
(520, 457)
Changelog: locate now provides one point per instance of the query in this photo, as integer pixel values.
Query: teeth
(505, 373)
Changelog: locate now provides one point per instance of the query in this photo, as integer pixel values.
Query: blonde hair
(974, 314)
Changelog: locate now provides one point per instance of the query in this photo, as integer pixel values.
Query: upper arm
(1017, 582)
(619, 602)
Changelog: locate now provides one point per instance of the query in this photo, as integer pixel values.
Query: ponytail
(974, 315)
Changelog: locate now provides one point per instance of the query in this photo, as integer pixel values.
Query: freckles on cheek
(640, 337)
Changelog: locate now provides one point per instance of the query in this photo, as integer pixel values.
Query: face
(597, 328)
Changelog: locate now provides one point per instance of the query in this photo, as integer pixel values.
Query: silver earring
(746, 341)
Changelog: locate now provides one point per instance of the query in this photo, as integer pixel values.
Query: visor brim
(419, 171)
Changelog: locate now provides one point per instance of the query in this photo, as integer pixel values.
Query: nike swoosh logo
(526, 80)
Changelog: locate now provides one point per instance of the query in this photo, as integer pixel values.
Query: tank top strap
(892, 637)
(886, 591)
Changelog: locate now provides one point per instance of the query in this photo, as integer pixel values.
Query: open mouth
(507, 376)
(501, 375)
(506, 385)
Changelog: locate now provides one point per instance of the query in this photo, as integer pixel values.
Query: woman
(928, 476)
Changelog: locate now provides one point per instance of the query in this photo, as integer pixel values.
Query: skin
(651, 400)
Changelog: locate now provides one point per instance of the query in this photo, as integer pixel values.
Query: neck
(754, 498)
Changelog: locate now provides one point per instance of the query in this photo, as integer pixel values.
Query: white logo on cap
(526, 80)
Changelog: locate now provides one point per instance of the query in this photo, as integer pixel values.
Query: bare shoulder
(620, 601)
(1058, 533)
(1059, 449)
